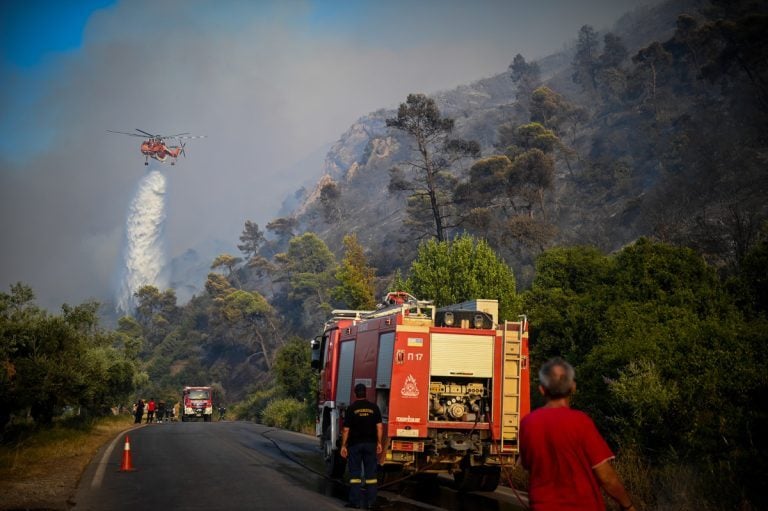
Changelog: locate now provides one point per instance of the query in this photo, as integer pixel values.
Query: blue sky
(270, 82)
(39, 37)
(31, 30)
(32, 34)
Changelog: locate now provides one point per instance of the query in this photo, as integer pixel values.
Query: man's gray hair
(557, 384)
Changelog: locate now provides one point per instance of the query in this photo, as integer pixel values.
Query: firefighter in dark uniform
(361, 443)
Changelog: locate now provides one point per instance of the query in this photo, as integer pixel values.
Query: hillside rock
(604, 191)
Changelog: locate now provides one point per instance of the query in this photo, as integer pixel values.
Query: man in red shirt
(151, 410)
(567, 458)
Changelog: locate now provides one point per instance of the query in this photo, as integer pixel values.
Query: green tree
(430, 184)
(611, 77)
(283, 229)
(17, 313)
(251, 240)
(614, 51)
(483, 207)
(531, 170)
(526, 75)
(229, 262)
(398, 283)
(534, 135)
(356, 279)
(151, 302)
(330, 201)
(732, 42)
(585, 61)
(509, 216)
(560, 306)
(155, 312)
(463, 269)
(665, 361)
(49, 361)
(307, 271)
(654, 63)
(108, 377)
(291, 364)
(130, 336)
(530, 176)
(551, 111)
(548, 107)
(253, 319)
(750, 285)
(218, 286)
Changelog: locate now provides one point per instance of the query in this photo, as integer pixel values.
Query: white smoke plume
(144, 254)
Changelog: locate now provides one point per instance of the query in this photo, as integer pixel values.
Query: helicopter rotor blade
(125, 133)
(147, 134)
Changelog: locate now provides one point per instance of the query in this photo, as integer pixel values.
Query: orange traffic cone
(126, 465)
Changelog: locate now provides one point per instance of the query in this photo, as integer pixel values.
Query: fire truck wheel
(334, 463)
(491, 479)
(469, 479)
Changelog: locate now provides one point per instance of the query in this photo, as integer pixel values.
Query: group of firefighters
(155, 412)
(158, 412)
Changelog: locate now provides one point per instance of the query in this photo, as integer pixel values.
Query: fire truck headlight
(478, 321)
(448, 318)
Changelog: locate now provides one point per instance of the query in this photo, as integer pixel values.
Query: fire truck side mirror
(316, 353)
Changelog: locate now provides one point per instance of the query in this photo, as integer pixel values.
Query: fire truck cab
(452, 384)
(196, 403)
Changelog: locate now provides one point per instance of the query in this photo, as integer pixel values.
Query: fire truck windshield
(198, 394)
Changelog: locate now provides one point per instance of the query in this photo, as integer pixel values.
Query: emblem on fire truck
(409, 388)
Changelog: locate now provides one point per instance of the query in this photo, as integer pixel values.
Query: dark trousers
(362, 461)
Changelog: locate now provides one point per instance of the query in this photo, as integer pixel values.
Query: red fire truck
(452, 384)
(196, 402)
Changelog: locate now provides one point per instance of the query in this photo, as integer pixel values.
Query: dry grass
(637, 478)
(675, 486)
(40, 470)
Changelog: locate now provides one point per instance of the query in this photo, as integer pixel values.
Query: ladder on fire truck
(413, 308)
(511, 385)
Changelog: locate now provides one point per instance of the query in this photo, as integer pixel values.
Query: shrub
(252, 407)
(287, 413)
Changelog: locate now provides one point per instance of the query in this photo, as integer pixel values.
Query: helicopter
(154, 146)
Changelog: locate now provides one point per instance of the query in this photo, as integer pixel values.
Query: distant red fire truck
(452, 384)
(197, 403)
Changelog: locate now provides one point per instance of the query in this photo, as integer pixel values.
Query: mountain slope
(625, 161)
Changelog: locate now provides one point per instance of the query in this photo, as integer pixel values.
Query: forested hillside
(654, 129)
(618, 192)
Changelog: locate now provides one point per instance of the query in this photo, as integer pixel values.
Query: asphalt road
(234, 466)
(208, 466)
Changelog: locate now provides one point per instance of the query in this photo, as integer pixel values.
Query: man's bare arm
(379, 438)
(610, 482)
(344, 436)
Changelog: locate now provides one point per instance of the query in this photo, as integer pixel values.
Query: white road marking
(98, 477)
